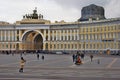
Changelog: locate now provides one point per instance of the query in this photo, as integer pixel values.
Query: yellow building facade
(35, 33)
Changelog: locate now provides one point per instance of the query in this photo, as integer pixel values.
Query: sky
(54, 10)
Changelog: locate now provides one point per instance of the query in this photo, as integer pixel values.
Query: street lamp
(84, 47)
(119, 47)
(14, 38)
(10, 47)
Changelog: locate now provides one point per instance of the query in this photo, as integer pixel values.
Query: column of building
(21, 45)
(45, 43)
(49, 40)
(0, 40)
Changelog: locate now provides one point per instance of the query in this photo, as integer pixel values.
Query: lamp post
(14, 38)
(10, 47)
(119, 47)
(84, 47)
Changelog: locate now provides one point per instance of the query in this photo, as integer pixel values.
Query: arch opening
(32, 40)
(38, 42)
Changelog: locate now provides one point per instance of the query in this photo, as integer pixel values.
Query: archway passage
(32, 40)
(38, 42)
(108, 51)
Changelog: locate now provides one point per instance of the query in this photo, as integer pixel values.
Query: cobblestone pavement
(60, 67)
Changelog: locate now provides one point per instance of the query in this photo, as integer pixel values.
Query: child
(22, 63)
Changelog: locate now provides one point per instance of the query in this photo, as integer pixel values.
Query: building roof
(4, 23)
(92, 12)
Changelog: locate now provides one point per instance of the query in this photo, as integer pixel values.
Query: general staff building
(92, 33)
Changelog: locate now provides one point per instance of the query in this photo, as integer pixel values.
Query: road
(60, 67)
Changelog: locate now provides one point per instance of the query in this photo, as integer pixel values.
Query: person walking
(91, 57)
(82, 56)
(42, 57)
(22, 63)
(74, 57)
(37, 56)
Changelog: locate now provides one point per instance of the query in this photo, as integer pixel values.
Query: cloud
(111, 6)
(11, 10)
(79, 3)
(112, 9)
(68, 10)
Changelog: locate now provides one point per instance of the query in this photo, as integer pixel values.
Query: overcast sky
(54, 10)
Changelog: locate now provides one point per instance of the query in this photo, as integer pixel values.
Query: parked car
(59, 52)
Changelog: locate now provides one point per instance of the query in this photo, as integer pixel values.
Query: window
(65, 46)
(93, 46)
(94, 36)
(108, 28)
(86, 29)
(69, 37)
(61, 45)
(6, 45)
(104, 28)
(86, 45)
(93, 29)
(68, 46)
(90, 46)
(61, 37)
(90, 29)
(65, 37)
(87, 36)
(79, 45)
